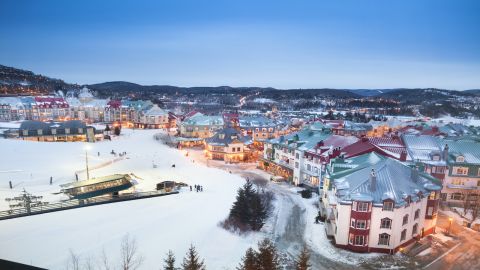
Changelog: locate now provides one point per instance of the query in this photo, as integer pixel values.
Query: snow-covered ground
(158, 224)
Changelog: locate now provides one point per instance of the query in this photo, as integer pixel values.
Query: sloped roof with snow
(228, 136)
(394, 181)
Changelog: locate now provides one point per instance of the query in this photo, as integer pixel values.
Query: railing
(75, 203)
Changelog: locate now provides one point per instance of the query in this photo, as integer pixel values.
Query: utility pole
(86, 161)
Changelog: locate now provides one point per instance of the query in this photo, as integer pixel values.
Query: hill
(14, 81)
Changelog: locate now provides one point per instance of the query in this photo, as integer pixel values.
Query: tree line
(265, 257)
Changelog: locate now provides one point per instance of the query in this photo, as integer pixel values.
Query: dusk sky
(284, 44)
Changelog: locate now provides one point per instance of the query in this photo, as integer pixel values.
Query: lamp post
(450, 220)
(87, 147)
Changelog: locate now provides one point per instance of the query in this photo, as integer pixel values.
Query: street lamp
(87, 147)
(450, 220)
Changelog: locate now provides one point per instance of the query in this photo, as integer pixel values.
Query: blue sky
(284, 44)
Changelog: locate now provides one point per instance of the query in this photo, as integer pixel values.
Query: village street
(291, 224)
(464, 255)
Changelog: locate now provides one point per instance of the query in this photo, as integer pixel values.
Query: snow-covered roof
(393, 180)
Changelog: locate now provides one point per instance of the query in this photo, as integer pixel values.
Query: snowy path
(292, 225)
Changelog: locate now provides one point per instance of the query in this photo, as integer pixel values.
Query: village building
(153, 117)
(285, 156)
(462, 182)
(260, 128)
(427, 150)
(387, 146)
(378, 204)
(66, 131)
(200, 126)
(229, 145)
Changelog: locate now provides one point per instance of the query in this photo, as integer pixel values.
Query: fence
(71, 204)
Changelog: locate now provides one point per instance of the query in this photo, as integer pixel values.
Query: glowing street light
(450, 220)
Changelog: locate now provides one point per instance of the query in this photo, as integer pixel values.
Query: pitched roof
(227, 136)
(394, 181)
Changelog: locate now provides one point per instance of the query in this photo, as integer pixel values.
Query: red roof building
(387, 146)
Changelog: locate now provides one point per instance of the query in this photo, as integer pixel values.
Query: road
(289, 224)
(466, 255)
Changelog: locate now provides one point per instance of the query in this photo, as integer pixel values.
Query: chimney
(415, 174)
(373, 181)
(403, 155)
(445, 152)
(320, 143)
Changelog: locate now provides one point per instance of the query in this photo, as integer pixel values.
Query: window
(67, 131)
(352, 223)
(456, 196)
(460, 170)
(405, 219)
(233, 149)
(430, 211)
(415, 229)
(458, 182)
(238, 149)
(297, 156)
(359, 240)
(386, 223)
(478, 183)
(460, 159)
(403, 236)
(309, 168)
(387, 206)
(384, 239)
(296, 164)
(417, 214)
(80, 130)
(54, 131)
(40, 132)
(362, 207)
(25, 132)
(361, 224)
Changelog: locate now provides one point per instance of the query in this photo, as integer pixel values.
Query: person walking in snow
(190, 188)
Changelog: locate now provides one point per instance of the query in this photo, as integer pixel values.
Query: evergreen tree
(259, 213)
(301, 263)
(192, 260)
(267, 258)
(241, 211)
(169, 261)
(249, 261)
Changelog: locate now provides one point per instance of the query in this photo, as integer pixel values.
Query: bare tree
(89, 263)
(73, 262)
(130, 259)
(104, 260)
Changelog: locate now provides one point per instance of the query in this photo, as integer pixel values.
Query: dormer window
(460, 159)
(387, 206)
(436, 157)
(221, 136)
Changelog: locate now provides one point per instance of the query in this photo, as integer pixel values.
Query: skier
(190, 188)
